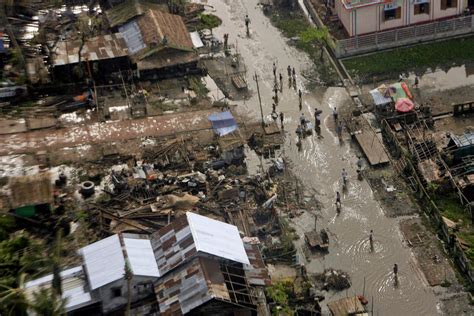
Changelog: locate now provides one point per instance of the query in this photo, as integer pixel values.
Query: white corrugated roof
(217, 238)
(104, 261)
(73, 287)
(196, 39)
(141, 257)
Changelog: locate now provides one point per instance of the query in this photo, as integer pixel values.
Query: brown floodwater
(319, 165)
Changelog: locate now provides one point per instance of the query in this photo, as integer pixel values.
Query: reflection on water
(452, 78)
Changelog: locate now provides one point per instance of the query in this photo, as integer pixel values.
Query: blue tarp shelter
(223, 123)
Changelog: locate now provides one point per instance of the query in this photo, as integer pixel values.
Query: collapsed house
(160, 45)
(193, 265)
(31, 194)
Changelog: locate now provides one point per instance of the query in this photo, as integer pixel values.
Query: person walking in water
(274, 71)
(371, 240)
(288, 69)
(395, 273)
(339, 130)
(294, 78)
(334, 114)
(300, 97)
(281, 82)
(338, 201)
(247, 22)
(282, 118)
(417, 81)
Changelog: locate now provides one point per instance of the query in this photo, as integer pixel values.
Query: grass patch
(169, 106)
(290, 23)
(452, 209)
(196, 84)
(417, 58)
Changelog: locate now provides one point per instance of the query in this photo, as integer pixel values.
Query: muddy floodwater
(319, 165)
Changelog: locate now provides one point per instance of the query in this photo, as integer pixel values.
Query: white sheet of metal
(104, 261)
(196, 39)
(141, 257)
(217, 238)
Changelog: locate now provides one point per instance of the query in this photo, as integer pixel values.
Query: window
(116, 292)
(422, 8)
(392, 14)
(446, 4)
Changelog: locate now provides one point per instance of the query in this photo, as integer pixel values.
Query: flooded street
(319, 166)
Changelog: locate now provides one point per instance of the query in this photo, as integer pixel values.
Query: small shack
(461, 145)
(160, 45)
(30, 194)
(347, 306)
(103, 55)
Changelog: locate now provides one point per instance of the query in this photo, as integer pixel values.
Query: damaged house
(206, 269)
(194, 265)
(32, 194)
(160, 46)
(103, 55)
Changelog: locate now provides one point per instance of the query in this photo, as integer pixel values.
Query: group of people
(278, 87)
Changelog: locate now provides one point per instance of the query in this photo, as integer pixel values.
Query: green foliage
(420, 57)
(279, 293)
(209, 21)
(197, 86)
(7, 226)
(314, 36)
(291, 24)
(47, 304)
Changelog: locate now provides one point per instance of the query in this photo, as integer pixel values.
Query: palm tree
(47, 303)
(13, 299)
(128, 275)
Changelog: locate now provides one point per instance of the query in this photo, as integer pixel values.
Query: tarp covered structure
(379, 98)
(404, 105)
(223, 123)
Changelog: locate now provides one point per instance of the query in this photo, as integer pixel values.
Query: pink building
(369, 16)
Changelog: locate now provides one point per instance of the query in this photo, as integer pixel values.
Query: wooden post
(259, 100)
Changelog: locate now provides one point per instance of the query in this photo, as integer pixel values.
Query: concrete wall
(111, 303)
(366, 20)
(344, 16)
(370, 19)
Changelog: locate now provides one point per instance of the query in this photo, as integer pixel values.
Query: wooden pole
(259, 100)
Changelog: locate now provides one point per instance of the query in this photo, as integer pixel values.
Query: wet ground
(319, 166)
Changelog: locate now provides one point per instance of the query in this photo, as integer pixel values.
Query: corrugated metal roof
(217, 238)
(378, 97)
(464, 140)
(104, 261)
(223, 123)
(73, 285)
(196, 39)
(133, 37)
(156, 25)
(141, 257)
(96, 48)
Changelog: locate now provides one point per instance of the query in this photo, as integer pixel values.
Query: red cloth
(404, 105)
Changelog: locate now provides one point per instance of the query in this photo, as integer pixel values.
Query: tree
(316, 37)
(128, 275)
(209, 21)
(46, 302)
(13, 299)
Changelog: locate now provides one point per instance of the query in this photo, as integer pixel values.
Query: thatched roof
(31, 190)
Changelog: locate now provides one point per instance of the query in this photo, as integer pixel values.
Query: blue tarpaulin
(2, 47)
(223, 123)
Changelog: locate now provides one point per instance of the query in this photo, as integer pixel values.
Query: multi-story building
(368, 16)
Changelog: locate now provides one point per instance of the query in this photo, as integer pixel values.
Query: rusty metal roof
(30, 190)
(256, 272)
(96, 48)
(156, 25)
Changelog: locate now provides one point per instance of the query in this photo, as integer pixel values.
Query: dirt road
(97, 133)
(319, 166)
